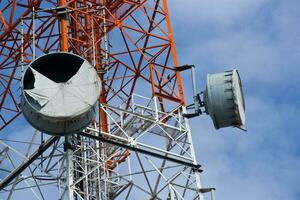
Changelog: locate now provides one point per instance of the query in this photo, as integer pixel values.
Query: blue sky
(261, 38)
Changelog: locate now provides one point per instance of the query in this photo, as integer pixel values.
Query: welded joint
(132, 142)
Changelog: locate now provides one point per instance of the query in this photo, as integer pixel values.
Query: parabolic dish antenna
(60, 93)
(224, 100)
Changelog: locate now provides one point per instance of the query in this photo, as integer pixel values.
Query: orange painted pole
(173, 50)
(64, 29)
(152, 78)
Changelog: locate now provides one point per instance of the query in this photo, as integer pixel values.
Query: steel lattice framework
(140, 146)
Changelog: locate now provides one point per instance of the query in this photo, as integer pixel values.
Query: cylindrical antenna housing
(60, 93)
(224, 100)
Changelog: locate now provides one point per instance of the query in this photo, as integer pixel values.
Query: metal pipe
(195, 93)
(196, 98)
(212, 192)
(70, 168)
(33, 33)
(22, 49)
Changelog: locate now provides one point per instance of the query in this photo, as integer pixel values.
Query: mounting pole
(106, 43)
(193, 154)
(196, 96)
(33, 33)
(70, 168)
(210, 190)
(22, 49)
(195, 93)
(68, 149)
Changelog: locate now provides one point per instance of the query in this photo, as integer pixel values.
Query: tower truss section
(139, 145)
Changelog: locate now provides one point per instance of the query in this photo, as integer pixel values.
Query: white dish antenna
(60, 93)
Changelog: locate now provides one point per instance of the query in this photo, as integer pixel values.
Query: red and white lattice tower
(140, 145)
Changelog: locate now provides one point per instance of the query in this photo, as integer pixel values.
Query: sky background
(261, 38)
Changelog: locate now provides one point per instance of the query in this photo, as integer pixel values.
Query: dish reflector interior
(59, 94)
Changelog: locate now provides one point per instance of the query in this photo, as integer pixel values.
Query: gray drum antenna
(222, 100)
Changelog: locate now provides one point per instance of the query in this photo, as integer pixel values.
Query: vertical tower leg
(69, 169)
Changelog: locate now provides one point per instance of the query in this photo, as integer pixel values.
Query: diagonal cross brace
(28, 162)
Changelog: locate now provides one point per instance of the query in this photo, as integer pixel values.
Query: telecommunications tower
(99, 81)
